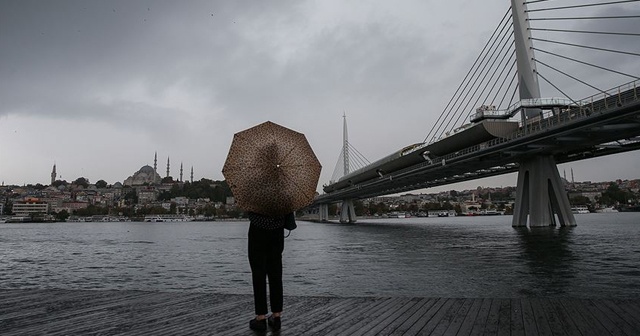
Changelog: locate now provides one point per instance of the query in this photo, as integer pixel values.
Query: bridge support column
(323, 212)
(347, 212)
(540, 195)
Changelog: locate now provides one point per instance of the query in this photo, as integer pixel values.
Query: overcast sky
(98, 86)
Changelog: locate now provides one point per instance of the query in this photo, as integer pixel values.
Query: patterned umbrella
(271, 170)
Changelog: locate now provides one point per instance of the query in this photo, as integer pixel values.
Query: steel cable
(581, 6)
(585, 63)
(475, 91)
(467, 75)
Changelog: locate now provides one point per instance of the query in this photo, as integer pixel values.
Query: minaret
(167, 166)
(155, 167)
(180, 171)
(53, 174)
(191, 174)
(572, 180)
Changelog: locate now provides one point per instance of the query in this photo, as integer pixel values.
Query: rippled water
(448, 257)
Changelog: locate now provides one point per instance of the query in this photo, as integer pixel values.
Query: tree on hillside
(131, 197)
(58, 183)
(81, 181)
(614, 195)
(101, 184)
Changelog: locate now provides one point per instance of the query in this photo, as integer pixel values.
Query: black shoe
(274, 322)
(258, 325)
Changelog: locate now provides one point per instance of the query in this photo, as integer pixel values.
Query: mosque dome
(146, 174)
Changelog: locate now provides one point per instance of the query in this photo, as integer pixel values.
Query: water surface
(443, 257)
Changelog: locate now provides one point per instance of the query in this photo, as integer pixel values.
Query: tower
(53, 174)
(540, 194)
(155, 167)
(191, 174)
(167, 166)
(347, 211)
(345, 145)
(180, 171)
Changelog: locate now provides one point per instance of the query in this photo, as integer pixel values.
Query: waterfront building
(73, 206)
(30, 206)
(147, 195)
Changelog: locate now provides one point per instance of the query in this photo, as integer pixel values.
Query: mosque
(146, 175)
(149, 175)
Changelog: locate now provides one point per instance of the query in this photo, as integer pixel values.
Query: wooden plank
(443, 314)
(352, 312)
(427, 317)
(609, 319)
(630, 323)
(568, 325)
(585, 322)
(417, 313)
(459, 318)
(131, 313)
(352, 315)
(517, 324)
(481, 319)
(467, 323)
(387, 325)
(64, 315)
(240, 324)
(385, 309)
(504, 318)
(31, 304)
(491, 326)
(553, 319)
(542, 323)
(299, 316)
(195, 314)
(630, 311)
(528, 318)
(632, 306)
(120, 317)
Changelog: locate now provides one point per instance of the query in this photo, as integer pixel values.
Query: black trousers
(265, 258)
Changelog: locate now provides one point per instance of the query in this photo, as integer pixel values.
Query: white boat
(168, 218)
(580, 210)
(606, 210)
(396, 214)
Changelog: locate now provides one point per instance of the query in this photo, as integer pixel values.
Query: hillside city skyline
(189, 174)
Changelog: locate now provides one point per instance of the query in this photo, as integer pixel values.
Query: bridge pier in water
(540, 195)
(323, 212)
(347, 212)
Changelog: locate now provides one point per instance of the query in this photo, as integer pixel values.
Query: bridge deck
(83, 312)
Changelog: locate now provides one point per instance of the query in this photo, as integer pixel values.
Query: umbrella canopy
(271, 170)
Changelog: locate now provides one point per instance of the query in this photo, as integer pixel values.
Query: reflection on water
(547, 252)
(444, 257)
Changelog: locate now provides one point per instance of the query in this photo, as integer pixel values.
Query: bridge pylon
(323, 212)
(541, 195)
(347, 212)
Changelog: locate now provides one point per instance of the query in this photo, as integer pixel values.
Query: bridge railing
(595, 104)
(599, 103)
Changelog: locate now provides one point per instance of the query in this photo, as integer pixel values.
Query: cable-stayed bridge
(484, 130)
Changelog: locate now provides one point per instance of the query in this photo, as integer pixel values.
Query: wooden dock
(109, 312)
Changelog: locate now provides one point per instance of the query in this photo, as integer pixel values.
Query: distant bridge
(495, 142)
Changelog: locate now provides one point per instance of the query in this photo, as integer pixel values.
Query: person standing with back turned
(266, 243)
